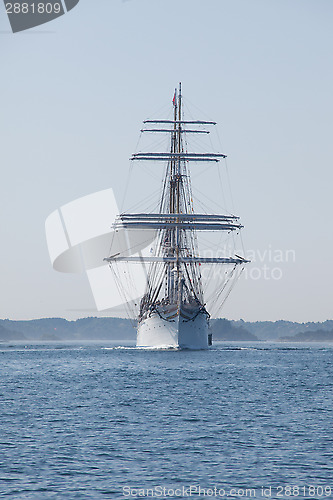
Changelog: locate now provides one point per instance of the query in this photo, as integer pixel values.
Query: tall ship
(173, 312)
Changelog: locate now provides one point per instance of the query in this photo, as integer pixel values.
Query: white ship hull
(159, 333)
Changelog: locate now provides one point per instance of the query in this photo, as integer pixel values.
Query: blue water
(84, 421)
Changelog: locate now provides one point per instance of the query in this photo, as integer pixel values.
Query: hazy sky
(75, 91)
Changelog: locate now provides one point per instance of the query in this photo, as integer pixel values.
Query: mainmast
(178, 206)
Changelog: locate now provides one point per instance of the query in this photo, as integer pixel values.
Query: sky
(74, 93)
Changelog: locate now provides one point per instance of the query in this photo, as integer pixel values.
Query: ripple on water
(83, 421)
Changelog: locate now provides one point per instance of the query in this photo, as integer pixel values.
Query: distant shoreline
(112, 329)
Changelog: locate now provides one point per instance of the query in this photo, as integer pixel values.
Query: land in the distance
(109, 329)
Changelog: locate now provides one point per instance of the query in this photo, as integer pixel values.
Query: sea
(110, 421)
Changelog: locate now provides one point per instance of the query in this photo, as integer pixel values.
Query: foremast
(178, 201)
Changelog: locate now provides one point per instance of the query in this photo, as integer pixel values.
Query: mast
(174, 205)
(174, 274)
(178, 181)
